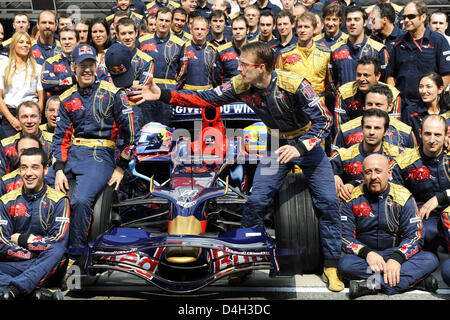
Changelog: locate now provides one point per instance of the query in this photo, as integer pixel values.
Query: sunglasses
(409, 16)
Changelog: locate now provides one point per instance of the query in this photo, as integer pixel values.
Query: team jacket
(410, 60)
(424, 177)
(398, 134)
(42, 52)
(312, 63)
(229, 56)
(200, 67)
(350, 103)
(347, 163)
(57, 76)
(288, 104)
(390, 40)
(416, 112)
(10, 181)
(329, 41)
(153, 6)
(372, 222)
(273, 42)
(44, 214)
(95, 112)
(8, 153)
(166, 54)
(346, 55)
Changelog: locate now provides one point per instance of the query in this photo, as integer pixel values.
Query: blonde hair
(11, 66)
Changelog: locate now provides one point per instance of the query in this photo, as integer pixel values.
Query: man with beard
(46, 45)
(382, 236)
(220, 32)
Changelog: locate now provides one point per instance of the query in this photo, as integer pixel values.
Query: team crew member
(201, 67)
(142, 64)
(51, 113)
(84, 140)
(266, 27)
(294, 114)
(165, 49)
(307, 58)
(46, 45)
(29, 116)
(285, 22)
(56, 76)
(346, 54)
(352, 95)
(424, 171)
(399, 134)
(382, 236)
(220, 32)
(432, 101)
(347, 162)
(13, 180)
(125, 6)
(333, 16)
(419, 51)
(384, 29)
(229, 52)
(21, 23)
(33, 232)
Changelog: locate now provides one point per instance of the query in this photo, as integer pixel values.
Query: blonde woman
(19, 82)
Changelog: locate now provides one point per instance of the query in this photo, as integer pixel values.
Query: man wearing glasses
(418, 51)
(296, 116)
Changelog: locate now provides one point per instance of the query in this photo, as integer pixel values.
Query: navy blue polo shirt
(410, 60)
(391, 39)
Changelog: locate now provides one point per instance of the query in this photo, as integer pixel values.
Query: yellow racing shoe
(331, 278)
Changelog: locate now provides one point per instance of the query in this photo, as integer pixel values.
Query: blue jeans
(269, 177)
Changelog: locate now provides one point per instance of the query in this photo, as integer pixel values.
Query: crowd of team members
(380, 71)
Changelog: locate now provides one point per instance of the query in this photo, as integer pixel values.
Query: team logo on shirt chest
(18, 210)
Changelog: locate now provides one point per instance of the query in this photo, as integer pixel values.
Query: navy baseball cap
(83, 52)
(118, 61)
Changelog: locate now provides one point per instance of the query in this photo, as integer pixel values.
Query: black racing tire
(103, 213)
(297, 227)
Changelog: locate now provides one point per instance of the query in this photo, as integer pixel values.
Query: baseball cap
(118, 61)
(83, 52)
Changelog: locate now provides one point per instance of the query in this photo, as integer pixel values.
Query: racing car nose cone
(188, 226)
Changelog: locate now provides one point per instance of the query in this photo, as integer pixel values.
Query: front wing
(137, 252)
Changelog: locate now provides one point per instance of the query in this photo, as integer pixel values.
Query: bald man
(382, 236)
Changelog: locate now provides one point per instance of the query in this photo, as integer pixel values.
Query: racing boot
(10, 293)
(358, 288)
(47, 294)
(429, 284)
(331, 278)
